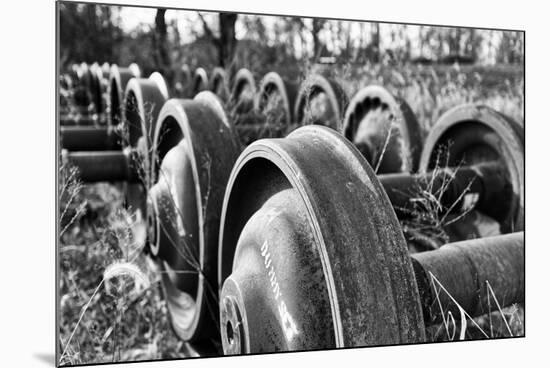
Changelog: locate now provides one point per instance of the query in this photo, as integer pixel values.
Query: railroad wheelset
(393, 137)
(85, 82)
(384, 129)
(200, 81)
(90, 79)
(470, 181)
(150, 92)
(273, 86)
(219, 84)
(321, 101)
(306, 226)
(481, 138)
(272, 114)
(311, 254)
(94, 82)
(253, 185)
(243, 91)
(182, 82)
(281, 105)
(118, 79)
(129, 159)
(194, 150)
(278, 105)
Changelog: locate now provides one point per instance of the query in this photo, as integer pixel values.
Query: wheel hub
(277, 282)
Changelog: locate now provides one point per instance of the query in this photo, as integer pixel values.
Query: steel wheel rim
(232, 225)
(509, 137)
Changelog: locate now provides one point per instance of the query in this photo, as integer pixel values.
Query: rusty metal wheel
(385, 130)
(96, 77)
(118, 79)
(219, 84)
(272, 116)
(200, 81)
(194, 150)
(105, 69)
(321, 101)
(311, 254)
(182, 82)
(143, 100)
(243, 91)
(475, 135)
(274, 93)
(83, 93)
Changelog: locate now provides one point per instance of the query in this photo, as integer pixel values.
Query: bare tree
(318, 24)
(162, 58)
(226, 42)
(375, 41)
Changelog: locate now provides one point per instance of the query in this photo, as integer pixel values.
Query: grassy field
(111, 305)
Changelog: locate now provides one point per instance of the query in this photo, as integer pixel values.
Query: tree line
(92, 32)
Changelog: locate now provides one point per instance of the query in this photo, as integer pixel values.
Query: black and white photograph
(235, 183)
(203, 183)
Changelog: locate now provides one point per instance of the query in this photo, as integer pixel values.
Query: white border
(28, 184)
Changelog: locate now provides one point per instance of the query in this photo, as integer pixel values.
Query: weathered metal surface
(161, 83)
(96, 76)
(471, 134)
(200, 81)
(80, 120)
(320, 101)
(311, 255)
(105, 69)
(219, 84)
(175, 205)
(480, 186)
(385, 130)
(81, 94)
(272, 113)
(466, 270)
(243, 91)
(118, 79)
(87, 91)
(276, 292)
(182, 82)
(90, 138)
(105, 166)
(272, 84)
(194, 150)
(143, 100)
(73, 73)
(135, 70)
(310, 252)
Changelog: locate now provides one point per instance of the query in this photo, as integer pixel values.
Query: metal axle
(469, 272)
(81, 119)
(483, 186)
(89, 138)
(105, 165)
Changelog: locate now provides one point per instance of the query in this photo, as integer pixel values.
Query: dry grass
(111, 307)
(111, 304)
(426, 219)
(502, 322)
